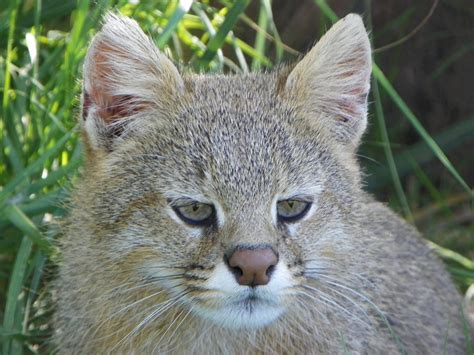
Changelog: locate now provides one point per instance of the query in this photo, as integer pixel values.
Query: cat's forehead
(232, 136)
(246, 103)
(240, 116)
(234, 140)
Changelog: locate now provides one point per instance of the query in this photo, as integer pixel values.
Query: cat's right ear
(124, 76)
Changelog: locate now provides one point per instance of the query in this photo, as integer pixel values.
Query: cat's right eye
(195, 213)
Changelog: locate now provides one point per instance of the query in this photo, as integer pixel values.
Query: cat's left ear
(332, 81)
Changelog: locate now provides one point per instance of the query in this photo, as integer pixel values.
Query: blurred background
(418, 155)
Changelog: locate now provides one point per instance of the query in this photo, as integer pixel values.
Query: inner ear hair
(332, 81)
(116, 108)
(124, 75)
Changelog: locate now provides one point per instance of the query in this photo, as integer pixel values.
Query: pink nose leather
(253, 267)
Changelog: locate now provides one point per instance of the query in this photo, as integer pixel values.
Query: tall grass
(42, 45)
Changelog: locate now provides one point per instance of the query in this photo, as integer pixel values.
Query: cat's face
(227, 199)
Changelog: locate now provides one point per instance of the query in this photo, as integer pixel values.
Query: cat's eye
(195, 213)
(292, 210)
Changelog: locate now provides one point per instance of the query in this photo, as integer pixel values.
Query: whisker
(369, 159)
(169, 267)
(152, 316)
(305, 306)
(326, 298)
(176, 329)
(371, 303)
(351, 300)
(154, 267)
(122, 310)
(116, 314)
(137, 302)
(349, 277)
(123, 289)
(179, 324)
(170, 326)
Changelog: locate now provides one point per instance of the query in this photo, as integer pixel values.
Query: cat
(224, 214)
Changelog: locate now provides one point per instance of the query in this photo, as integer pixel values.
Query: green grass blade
(217, 41)
(72, 56)
(379, 113)
(453, 256)
(260, 40)
(49, 203)
(182, 9)
(211, 32)
(410, 116)
(464, 276)
(396, 24)
(250, 51)
(38, 164)
(388, 152)
(451, 60)
(23, 223)
(326, 10)
(278, 42)
(239, 53)
(37, 265)
(14, 155)
(467, 330)
(7, 126)
(54, 176)
(449, 139)
(426, 182)
(15, 287)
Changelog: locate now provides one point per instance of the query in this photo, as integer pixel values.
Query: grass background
(423, 171)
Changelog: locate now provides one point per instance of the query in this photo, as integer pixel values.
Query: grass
(42, 45)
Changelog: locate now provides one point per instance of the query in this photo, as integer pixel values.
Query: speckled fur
(362, 279)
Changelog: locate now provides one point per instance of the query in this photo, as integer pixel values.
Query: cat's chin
(248, 313)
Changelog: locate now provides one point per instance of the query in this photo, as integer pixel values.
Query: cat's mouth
(252, 301)
(226, 303)
(248, 309)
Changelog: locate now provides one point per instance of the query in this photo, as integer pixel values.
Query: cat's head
(228, 194)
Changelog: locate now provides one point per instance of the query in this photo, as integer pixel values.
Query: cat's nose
(252, 266)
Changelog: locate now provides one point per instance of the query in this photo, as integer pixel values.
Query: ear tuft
(124, 74)
(332, 81)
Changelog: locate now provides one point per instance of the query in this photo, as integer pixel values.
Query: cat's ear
(124, 76)
(332, 81)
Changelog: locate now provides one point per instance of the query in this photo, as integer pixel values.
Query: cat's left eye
(195, 213)
(292, 210)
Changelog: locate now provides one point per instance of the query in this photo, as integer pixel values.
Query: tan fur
(135, 279)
